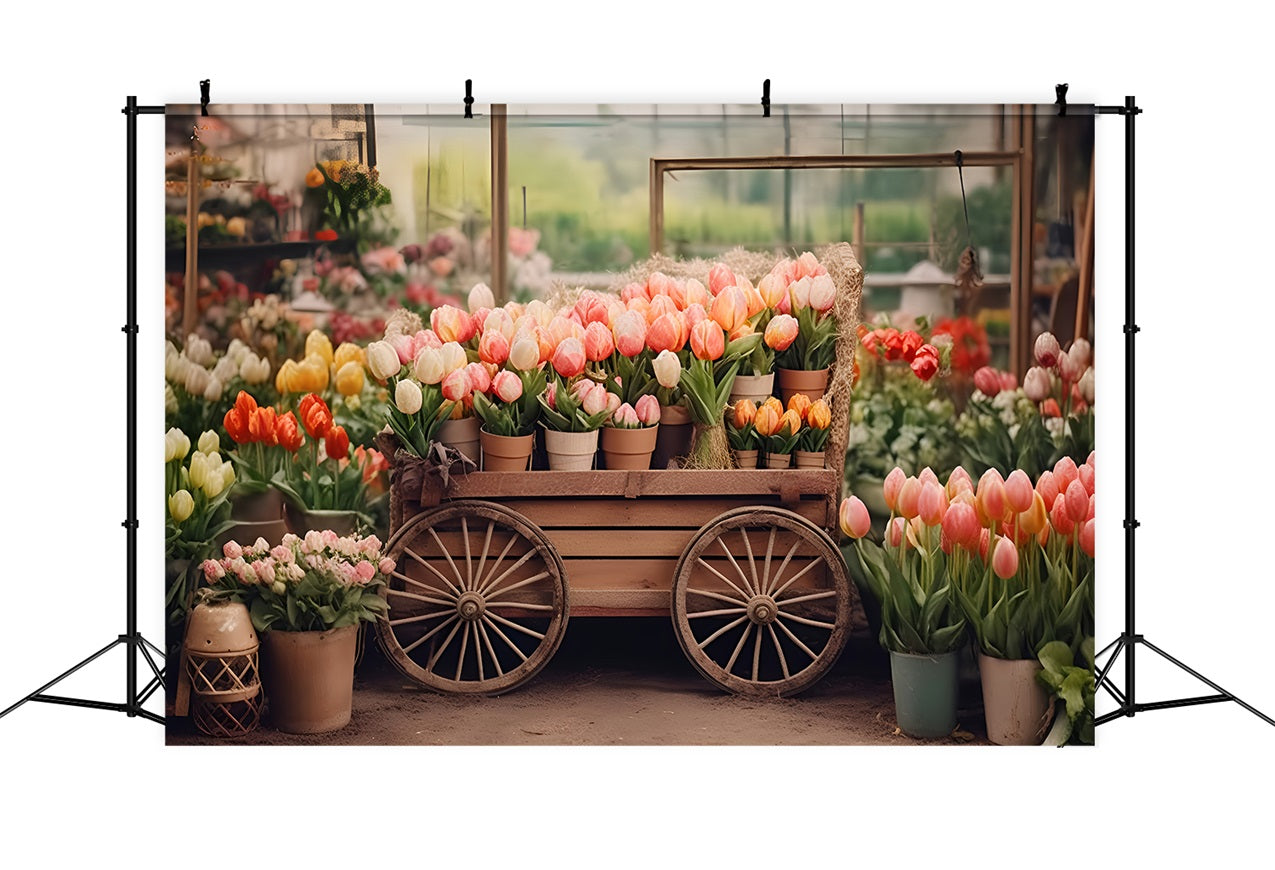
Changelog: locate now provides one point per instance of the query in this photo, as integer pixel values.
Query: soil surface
(618, 681)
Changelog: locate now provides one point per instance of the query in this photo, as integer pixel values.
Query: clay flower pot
(1016, 705)
(757, 388)
(257, 507)
(462, 434)
(778, 460)
(629, 449)
(571, 451)
(808, 459)
(925, 688)
(309, 677)
(746, 459)
(673, 438)
(793, 381)
(506, 452)
(344, 523)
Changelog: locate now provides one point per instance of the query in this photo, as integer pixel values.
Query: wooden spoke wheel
(761, 603)
(477, 600)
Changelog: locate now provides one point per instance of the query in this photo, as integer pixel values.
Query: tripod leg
(53, 682)
(1203, 679)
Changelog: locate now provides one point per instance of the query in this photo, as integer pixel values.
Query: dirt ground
(620, 682)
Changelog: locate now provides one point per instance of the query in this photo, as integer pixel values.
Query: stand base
(133, 706)
(1129, 707)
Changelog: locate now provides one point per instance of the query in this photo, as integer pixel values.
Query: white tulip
(209, 442)
(524, 354)
(668, 370)
(407, 397)
(198, 350)
(428, 366)
(213, 391)
(453, 356)
(1087, 385)
(481, 297)
(197, 379)
(225, 369)
(382, 360)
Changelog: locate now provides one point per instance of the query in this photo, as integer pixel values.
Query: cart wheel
(761, 604)
(477, 601)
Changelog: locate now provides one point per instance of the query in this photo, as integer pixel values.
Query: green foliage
(416, 431)
(317, 603)
(897, 419)
(1074, 686)
(1008, 432)
(517, 417)
(919, 613)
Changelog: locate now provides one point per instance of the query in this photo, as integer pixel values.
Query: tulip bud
(766, 420)
(932, 504)
(382, 360)
(648, 410)
(1047, 351)
(524, 354)
(598, 342)
(227, 474)
(1037, 385)
(176, 445)
(594, 401)
(1005, 558)
(892, 485)
(408, 397)
(819, 416)
(507, 386)
(991, 495)
(1086, 385)
(456, 385)
(854, 518)
(181, 505)
(823, 293)
(707, 340)
(743, 413)
(987, 381)
(1018, 491)
(668, 370)
(1087, 538)
(214, 480)
(197, 473)
(626, 417)
(909, 495)
(481, 297)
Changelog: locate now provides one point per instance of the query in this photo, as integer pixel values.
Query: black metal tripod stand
(1130, 640)
(134, 644)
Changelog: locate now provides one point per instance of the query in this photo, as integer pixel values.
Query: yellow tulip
(227, 474)
(283, 379)
(214, 482)
(236, 227)
(198, 469)
(348, 352)
(176, 445)
(349, 379)
(181, 505)
(318, 343)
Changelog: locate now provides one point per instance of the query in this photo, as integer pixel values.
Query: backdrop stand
(134, 644)
(1129, 640)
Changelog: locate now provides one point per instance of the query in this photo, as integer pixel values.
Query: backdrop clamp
(204, 86)
(765, 98)
(469, 98)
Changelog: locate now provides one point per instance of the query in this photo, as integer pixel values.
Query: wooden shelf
(213, 256)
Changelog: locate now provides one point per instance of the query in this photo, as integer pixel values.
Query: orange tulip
(314, 178)
(766, 420)
(1036, 517)
(800, 403)
(743, 413)
(790, 421)
(707, 340)
(819, 416)
(236, 425)
(774, 403)
(665, 333)
(315, 415)
(288, 433)
(262, 426)
(781, 332)
(337, 443)
(730, 309)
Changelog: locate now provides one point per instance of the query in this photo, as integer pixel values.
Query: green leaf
(1054, 657)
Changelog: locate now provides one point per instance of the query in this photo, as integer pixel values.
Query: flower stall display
(306, 596)
(351, 201)
(321, 487)
(509, 414)
(628, 438)
(198, 511)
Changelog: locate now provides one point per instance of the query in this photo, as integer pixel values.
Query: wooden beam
(657, 207)
(190, 301)
(499, 202)
(1022, 260)
(1085, 260)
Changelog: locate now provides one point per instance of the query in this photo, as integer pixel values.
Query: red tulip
(854, 517)
(288, 432)
(1018, 491)
(236, 425)
(910, 342)
(1087, 538)
(891, 486)
(892, 341)
(987, 381)
(336, 443)
(1049, 408)
(1058, 517)
(315, 415)
(1005, 559)
(925, 364)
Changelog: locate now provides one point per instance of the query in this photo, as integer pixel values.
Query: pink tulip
(1018, 491)
(1037, 385)
(452, 324)
(507, 386)
(625, 417)
(648, 410)
(594, 401)
(823, 293)
(591, 308)
(772, 288)
(854, 517)
(629, 330)
(960, 523)
(598, 343)
(719, 278)
(932, 504)
(1005, 559)
(493, 348)
(781, 332)
(799, 293)
(808, 266)
(909, 495)
(456, 386)
(386, 566)
(1058, 517)
(1047, 350)
(665, 333)
(707, 340)
(479, 378)
(959, 481)
(891, 486)
(1047, 486)
(927, 475)
(987, 381)
(613, 402)
(232, 550)
(568, 358)
(1087, 538)
(894, 531)
(402, 345)
(425, 338)
(1090, 460)
(694, 314)
(1069, 367)
(991, 495)
(730, 309)
(984, 543)
(561, 328)
(1084, 474)
(1065, 472)
(551, 394)
(697, 294)
(1009, 381)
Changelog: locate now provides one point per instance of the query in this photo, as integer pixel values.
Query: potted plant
(628, 439)
(321, 487)
(420, 402)
(922, 626)
(673, 438)
(778, 432)
(811, 293)
(509, 418)
(742, 434)
(198, 513)
(817, 420)
(571, 417)
(707, 381)
(266, 442)
(1036, 587)
(307, 596)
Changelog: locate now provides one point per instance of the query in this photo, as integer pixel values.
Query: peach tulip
(959, 481)
(773, 288)
(800, 403)
(694, 314)
(808, 266)
(456, 386)
(756, 304)
(991, 496)
(1018, 491)
(1047, 486)
(507, 386)
(452, 324)
(665, 333)
(629, 331)
(697, 294)
(493, 347)
(932, 504)
(927, 475)
(598, 343)
(961, 524)
(1087, 538)
(1005, 559)
(781, 332)
(568, 359)
(742, 413)
(890, 487)
(854, 518)
(707, 340)
(766, 421)
(648, 410)
(730, 309)
(823, 293)
(894, 534)
(719, 278)
(909, 494)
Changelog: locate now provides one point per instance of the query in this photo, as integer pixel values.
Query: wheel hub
(470, 606)
(762, 610)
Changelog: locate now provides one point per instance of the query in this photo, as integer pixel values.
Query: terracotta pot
(673, 439)
(778, 460)
(506, 452)
(462, 434)
(1015, 704)
(571, 451)
(257, 507)
(309, 678)
(808, 459)
(629, 449)
(746, 459)
(925, 692)
(757, 388)
(793, 381)
(299, 521)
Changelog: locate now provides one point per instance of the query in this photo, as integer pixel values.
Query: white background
(1176, 787)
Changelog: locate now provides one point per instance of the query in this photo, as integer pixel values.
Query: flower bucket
(462, 434)
(793, 381)
(309, 678)
(1015, 704)
(571, 451)
(745, 458)
(925, 692)
(778, 460)
(756, 388)
(629, 449)
(808, 459)
(257, 507)
(299, 522)
(673, 438)
(506, 452)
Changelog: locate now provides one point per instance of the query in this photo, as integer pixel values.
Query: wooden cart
(745, 562)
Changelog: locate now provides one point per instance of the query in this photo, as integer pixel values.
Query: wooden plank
(648, 513)
(612, 602)
(499, 200)
(787, 483)
(589, 542)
